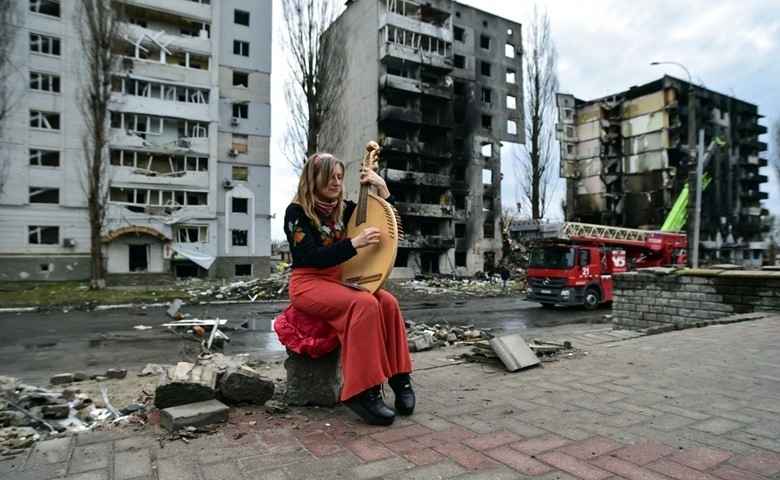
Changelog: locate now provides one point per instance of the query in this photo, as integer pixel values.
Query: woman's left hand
(370, 177)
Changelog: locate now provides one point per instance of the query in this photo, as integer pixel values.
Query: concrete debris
(487, 351)
(30, 414)
(423, 337)
(514, 352)
(273, 287)
(213, 377)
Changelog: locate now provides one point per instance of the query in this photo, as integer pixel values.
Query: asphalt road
(36, 345)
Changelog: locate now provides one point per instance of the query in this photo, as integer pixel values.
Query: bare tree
(98, 28)
(8, 30)
(536, 165)
(316, 66)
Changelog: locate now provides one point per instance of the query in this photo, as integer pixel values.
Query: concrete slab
(514, 352)
(194, 414)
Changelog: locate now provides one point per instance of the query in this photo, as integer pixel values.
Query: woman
(370, 327)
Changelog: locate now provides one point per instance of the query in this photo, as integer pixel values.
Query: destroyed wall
(625, 160)
(664, 298)
(189, 122)
(447, 92)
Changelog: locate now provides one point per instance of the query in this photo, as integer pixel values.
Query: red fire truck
(573, 263)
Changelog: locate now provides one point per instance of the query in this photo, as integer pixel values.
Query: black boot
(370, 407)
(404, 395)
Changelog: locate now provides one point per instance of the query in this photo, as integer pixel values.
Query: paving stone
(194, 414)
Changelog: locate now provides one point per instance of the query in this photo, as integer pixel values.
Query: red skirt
(370, 327)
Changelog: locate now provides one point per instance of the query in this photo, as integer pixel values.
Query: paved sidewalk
(689, 404)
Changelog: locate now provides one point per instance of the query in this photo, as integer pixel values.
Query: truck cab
(560, 274)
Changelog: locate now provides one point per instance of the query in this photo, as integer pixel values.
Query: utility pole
(691, 225)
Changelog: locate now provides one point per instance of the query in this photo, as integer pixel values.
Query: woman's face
(329, 189)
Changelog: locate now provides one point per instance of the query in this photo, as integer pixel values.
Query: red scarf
(324, 208)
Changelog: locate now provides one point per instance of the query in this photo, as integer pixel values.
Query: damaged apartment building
(438, 85)
(188, 152)
(625, 158)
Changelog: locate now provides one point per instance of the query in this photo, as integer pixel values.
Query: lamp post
(694, 179)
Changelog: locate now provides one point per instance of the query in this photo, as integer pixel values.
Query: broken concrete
(194, 414)
(313, 382)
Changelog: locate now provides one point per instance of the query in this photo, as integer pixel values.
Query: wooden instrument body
(370, 268)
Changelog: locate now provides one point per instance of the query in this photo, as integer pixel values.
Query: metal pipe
(697, 216)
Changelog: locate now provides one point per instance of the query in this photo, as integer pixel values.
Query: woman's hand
(369, 236)
(370, 177)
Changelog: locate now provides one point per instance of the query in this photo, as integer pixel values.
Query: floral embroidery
(296, 232)
(331, 232)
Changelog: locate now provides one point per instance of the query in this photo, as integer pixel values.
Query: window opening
(43, 235)
(138, 258)
(240, 238)
(241, 17)
(241, 48)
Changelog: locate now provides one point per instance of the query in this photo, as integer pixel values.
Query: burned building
(438, 85)
(188, 143)
(625, 158)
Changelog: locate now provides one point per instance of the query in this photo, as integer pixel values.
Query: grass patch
(52, 294)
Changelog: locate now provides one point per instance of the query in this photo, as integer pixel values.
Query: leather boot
(404, 395)
(370, 407)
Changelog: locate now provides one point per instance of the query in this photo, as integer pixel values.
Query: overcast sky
(606, 47)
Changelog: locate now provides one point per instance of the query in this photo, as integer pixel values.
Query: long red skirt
(370, 327)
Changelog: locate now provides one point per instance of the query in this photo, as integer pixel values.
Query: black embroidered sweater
(322, 247)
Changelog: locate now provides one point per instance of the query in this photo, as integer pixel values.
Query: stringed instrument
(371, 267)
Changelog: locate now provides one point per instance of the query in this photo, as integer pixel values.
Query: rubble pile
(29, 414)
(274, 287)
(423, 337)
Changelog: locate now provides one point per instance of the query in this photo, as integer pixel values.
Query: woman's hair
(318, 168)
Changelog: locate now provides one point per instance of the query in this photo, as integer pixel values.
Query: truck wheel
(547, 305)
(591, 300)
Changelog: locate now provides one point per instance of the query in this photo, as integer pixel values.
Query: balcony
(436, 242)
(132, 176)
(401, 145)
(158, 107)
(125, 139)
(391, 113)
(416, 178)
(194, 10)
(424, 210)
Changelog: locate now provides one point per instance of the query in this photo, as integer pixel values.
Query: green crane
(678, 215)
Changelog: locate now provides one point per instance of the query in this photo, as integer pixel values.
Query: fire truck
(573, 263)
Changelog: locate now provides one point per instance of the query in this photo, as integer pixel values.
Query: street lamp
(694, 177)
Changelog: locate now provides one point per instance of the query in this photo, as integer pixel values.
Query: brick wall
(665, 298)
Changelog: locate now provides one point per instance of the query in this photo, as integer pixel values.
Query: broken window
(240, 143)
(45, 7)
(240, 79)
(486, 150)
(459, 61)
(43, 235)
(240, 238)
(45, 120)
(460, 202)
(486, 93)
(484, 42)
(44, 158)
(191, 234)
(240, 174)
(243, 269)
(44, 44)
(487, 204)
(44, 195)
(509, 50)
(241, 110)
(459, 115)
(487, 122)
(240, 205)
(241, 17)
(401, 258)
(459, 88)
(488, 230)
(460, 259)
(484, 69)
(138, 21)
(241, 48)
(487, 177)
(44, 82)
(511, 127)
(511, 102)
(510, 76)
(460, 230)
(459, 34)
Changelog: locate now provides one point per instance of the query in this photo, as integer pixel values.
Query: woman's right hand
(369, 236)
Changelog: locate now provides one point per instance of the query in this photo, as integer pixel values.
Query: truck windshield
(551, 257)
